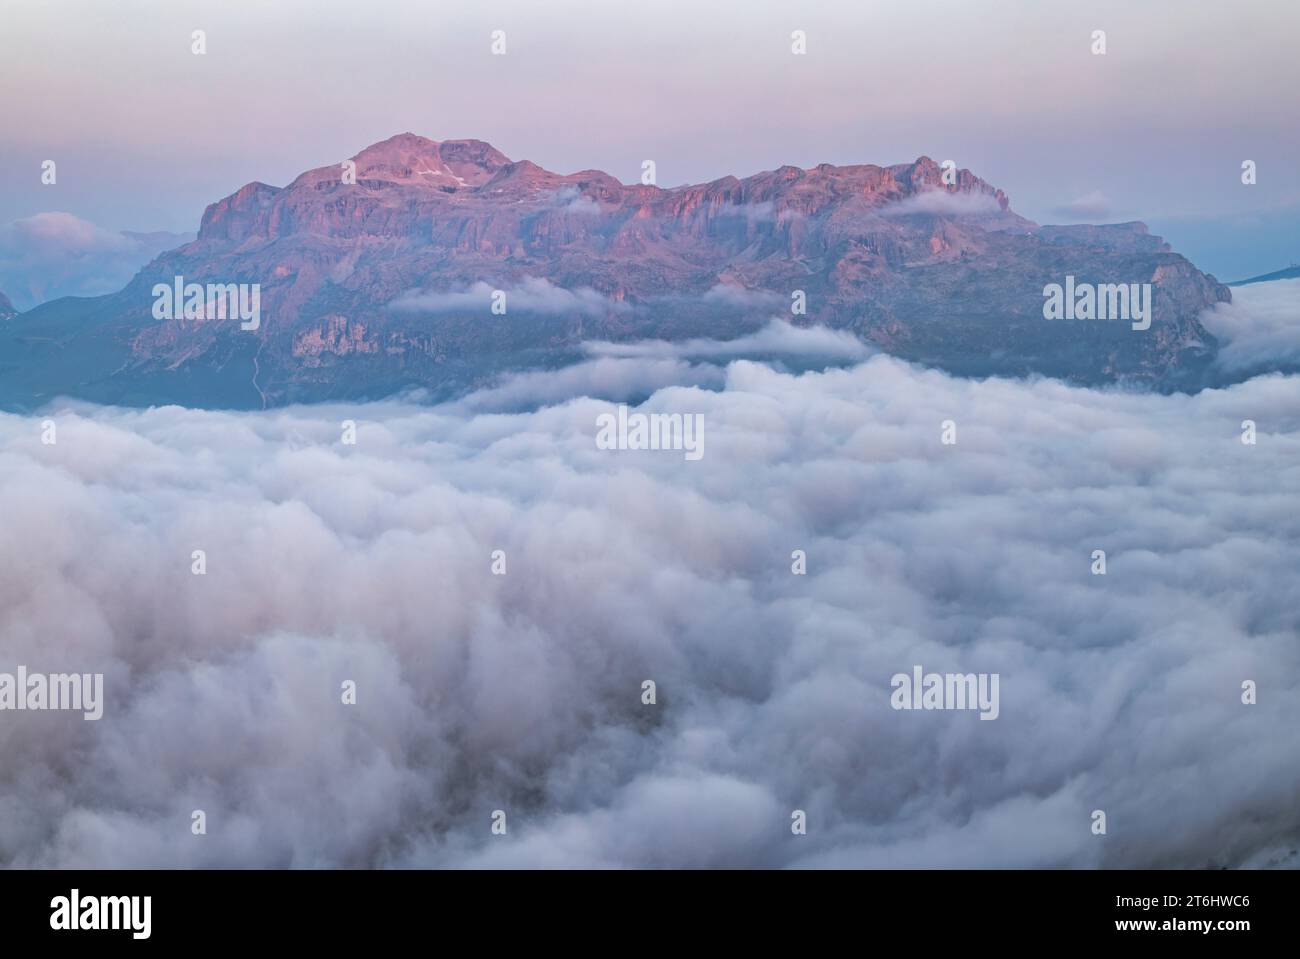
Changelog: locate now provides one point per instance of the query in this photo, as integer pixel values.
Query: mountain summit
(378, 274)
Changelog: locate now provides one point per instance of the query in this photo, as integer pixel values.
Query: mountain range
(1289, 273)
(388, 282)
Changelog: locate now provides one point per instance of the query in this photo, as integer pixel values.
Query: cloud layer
(1259, 329)
(328, 562)
(533, 295)
(942, 203)
(777, 338)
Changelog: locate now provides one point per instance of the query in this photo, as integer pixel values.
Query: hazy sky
(146, 134)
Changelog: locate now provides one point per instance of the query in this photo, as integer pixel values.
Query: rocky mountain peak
(411, 158)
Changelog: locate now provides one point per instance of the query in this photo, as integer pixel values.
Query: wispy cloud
(741, 298)
(764, 211)
(942, 203)
(531, 295)
(49, 255)
(1091, 206)
(571, 200)
(778, 338)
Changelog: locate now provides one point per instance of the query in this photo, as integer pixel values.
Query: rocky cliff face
(385, 283)
(7, 311)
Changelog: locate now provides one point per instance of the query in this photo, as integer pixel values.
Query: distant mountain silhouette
(1290, 273)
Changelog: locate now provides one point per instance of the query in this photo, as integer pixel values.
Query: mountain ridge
(368, 288)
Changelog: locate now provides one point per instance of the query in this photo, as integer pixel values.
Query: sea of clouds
(1259, 329)
(475, 692)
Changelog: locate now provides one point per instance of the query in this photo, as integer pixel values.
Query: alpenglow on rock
(386, 283)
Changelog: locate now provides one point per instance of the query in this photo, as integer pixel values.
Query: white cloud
(611, 376)
(1259, 329)
(778, 338)
(763, 211)
(738, 297)
(522, 692)
(942, 203)
(533, 295)
(571, 200)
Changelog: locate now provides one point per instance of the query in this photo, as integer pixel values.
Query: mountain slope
(385, 283)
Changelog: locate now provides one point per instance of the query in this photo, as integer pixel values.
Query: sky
(146, 134)
(373, 563)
